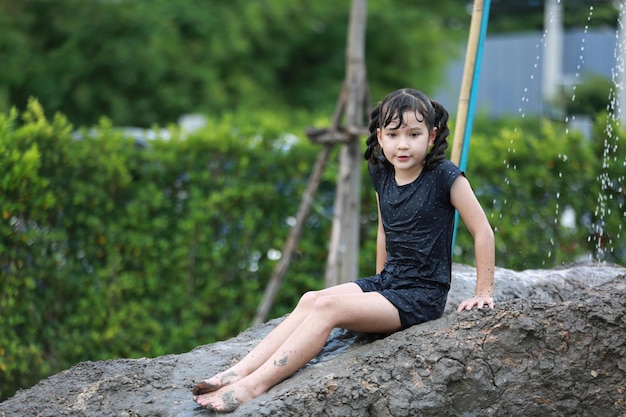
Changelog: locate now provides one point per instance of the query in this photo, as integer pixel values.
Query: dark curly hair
(392, 108)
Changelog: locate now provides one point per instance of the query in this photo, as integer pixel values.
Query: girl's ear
(432, 136)
(378, 134)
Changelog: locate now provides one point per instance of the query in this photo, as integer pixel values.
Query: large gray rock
(554, 346)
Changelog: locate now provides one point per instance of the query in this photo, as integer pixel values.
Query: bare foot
(216, 382)
(226, 399)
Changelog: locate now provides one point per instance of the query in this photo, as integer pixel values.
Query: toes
(225, 403)
(229, 402)
(203, 387)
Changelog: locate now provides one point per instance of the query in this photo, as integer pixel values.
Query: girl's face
(406, 146)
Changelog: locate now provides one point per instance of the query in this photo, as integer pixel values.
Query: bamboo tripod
(354, 104)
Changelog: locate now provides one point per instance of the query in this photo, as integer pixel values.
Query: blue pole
(471, 110)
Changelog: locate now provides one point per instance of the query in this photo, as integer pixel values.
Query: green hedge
(111, 249)
(528, 179)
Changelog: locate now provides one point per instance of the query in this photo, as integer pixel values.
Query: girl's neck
(404, 177)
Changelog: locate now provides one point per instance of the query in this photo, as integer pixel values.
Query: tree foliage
(146, 62)
(529, 15)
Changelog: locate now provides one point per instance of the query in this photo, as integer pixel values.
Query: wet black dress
(418, 219)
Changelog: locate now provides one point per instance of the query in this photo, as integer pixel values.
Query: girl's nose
(403, 143)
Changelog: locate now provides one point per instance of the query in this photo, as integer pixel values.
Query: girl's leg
(273, 340)
(366, 312)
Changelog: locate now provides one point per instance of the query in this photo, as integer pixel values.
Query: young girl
(417, 192)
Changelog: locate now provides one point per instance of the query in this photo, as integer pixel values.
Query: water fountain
(605, 223)
(610, 200)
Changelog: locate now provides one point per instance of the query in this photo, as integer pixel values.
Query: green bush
(114, 250)
(528, 179)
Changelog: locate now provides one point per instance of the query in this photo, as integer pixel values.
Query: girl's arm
(474, 217)
(381, 248)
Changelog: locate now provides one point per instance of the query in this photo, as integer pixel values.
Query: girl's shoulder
(446, 165)
(446, 172)
(380, 176)
(378, 170)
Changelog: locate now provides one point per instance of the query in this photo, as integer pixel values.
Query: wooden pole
(342, 262)
(466, 85)
(353, 100)
(469, 91)
(294, 235)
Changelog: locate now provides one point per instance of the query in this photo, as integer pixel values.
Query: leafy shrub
(528, 180)
(114, 250)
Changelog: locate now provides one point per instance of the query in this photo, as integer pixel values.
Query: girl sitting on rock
(417, 191)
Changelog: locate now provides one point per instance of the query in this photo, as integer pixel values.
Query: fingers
(478, 302)
(465, 305)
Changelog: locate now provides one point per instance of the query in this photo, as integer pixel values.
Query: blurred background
(153, 155)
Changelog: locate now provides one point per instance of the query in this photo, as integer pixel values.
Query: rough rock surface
(554, 346)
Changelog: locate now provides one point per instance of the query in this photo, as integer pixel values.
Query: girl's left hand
(478, 301)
